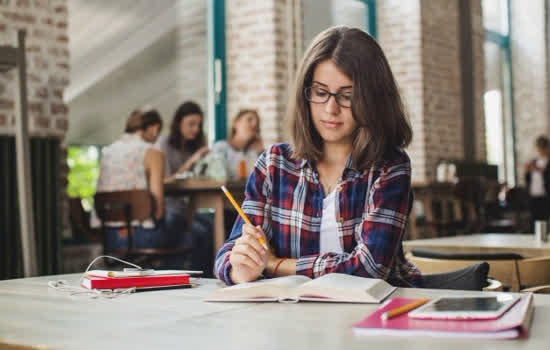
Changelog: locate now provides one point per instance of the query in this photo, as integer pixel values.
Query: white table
(524, 244)
(35, 315)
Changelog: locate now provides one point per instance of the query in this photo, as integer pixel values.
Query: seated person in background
(186, 143)
(338, 198)
(537, 178)
(183, 148)
(244, 144)
(132, 163)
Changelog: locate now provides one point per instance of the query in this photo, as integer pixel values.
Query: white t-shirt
(329, 238)
(537, 181)
(233, 156)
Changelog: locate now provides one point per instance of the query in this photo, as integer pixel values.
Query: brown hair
(175, 138)
(139, 120)
(239, 115)
(542, 142)
(376, 103)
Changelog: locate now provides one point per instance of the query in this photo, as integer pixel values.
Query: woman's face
(247, 126)
(190, 126)
(333, 122)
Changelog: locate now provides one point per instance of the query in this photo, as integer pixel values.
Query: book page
(345, 288)
(268, 289)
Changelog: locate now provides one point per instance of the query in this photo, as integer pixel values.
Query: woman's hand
(201, 152)
(195, 157)
(249, 257)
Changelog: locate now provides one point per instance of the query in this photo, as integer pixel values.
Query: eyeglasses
(318, 95)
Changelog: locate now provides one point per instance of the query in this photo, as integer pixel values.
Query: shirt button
(341, 219)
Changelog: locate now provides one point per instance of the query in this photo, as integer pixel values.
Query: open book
(333, 287)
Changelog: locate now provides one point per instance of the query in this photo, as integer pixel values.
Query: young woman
(130, 163)
(244, 143)
(185, 145)
(336, 199)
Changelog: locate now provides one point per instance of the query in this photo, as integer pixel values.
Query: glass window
(322, 14)
(495, 15)
(83, 162)
(499, 131)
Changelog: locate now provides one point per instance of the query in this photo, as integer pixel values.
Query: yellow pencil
(241, 212)
(403, 309)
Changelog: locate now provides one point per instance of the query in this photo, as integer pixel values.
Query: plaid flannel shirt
(285, 198)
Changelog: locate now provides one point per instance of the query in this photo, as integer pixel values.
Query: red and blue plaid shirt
(285, 198)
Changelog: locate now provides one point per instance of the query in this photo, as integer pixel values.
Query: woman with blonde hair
(338, 197)
(244, 144)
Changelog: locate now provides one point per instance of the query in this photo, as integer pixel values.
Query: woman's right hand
(248, 257)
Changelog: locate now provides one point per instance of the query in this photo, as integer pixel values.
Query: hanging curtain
(46, 187)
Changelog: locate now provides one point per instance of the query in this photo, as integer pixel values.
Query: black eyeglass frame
(335, 95)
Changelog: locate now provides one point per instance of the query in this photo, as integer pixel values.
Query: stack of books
(514, 323)
(99, 279)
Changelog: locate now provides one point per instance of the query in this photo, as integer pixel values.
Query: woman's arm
(154, 167)
(379, 251)
(257, 208)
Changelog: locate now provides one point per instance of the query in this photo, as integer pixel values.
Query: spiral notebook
(513, 324)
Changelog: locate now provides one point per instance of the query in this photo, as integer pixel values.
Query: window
(322, 14)
(83, 162)
(499, 131)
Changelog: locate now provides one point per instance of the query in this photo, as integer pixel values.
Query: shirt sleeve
(379, 251)
(257, 207)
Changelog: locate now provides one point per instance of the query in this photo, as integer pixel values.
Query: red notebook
(512, 324)
(95, 282)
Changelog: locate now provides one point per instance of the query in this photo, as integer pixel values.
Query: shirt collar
(349, 165)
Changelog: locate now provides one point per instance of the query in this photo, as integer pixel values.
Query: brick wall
(47, 64)
(529, 46)
(45, 22)
(421, 40)
(443, 125)
(399, 34)
(257, 58)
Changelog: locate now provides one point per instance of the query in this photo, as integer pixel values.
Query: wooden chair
(127, 207)
(80, 222)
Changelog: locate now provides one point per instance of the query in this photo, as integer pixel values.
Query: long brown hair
(241, 114)
(376, 103)
(175, 139)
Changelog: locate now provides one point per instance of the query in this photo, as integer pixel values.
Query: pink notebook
(512, 324)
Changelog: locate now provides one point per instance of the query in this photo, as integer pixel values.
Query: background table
(524, 244)
(207, 194)
(33, 314)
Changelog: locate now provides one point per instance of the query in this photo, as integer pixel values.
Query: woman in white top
(131, 163)
(244, 143)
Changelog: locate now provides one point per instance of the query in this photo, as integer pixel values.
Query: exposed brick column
(400, 35)
(421, 40)
(47, 64)
(45, 22)
(257, 34)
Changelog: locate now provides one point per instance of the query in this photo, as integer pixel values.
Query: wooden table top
(524, 244)
(35, 315)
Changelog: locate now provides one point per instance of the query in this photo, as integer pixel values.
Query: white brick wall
(257, 76)
(45, 22)
(399, 34)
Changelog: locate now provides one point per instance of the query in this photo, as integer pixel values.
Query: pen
(403, 309)
(241, 212)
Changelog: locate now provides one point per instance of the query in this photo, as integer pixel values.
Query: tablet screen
(468, 304)
(466, 307)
